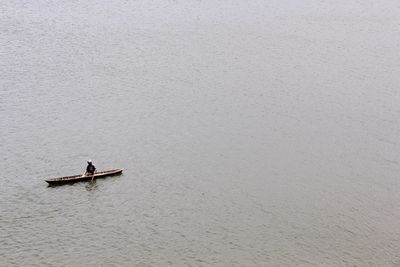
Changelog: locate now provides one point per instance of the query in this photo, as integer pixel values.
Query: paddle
(92, 177)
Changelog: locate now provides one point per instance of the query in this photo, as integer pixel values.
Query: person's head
(89, 162)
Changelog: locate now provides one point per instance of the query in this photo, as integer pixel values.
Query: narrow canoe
(78, 178)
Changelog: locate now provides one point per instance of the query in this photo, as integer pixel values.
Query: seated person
(90, 169)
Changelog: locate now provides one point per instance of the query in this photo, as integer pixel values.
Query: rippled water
(252, 133)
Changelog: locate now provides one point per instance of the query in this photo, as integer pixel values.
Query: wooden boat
(78, 178)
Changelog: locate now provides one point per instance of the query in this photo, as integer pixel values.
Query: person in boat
(90, 169)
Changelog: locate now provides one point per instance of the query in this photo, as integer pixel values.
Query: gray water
(252, 133)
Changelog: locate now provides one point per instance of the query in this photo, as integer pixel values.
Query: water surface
(252, 133)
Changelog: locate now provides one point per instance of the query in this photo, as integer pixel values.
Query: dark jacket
(90, 168)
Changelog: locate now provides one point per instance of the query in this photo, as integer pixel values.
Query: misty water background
(252, 133)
